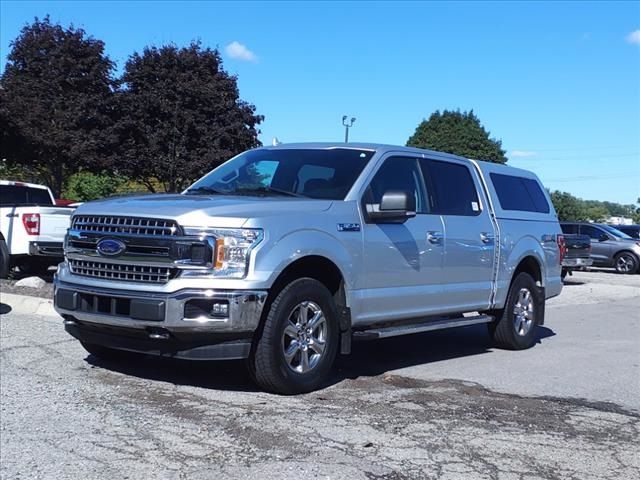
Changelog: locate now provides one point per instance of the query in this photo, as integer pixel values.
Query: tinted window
(398, 173)
(21, 195)
(312, 178)
(266, 170)
(519, 193)
(614, 231)
(631, 231)
(569, 229)
(454, 192)
(593, 232)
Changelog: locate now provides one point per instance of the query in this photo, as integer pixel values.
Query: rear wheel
(626, 262)
(5, 260)
(299, 340)
(515, 326)
(106, 353)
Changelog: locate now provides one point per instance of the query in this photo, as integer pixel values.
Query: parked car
(632, 230)
(32, 228)
(284, 254)
(578, 253)
(609, 246)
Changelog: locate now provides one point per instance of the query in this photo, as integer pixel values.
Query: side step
(437, 324)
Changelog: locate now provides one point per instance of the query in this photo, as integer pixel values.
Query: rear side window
(454, 192)
(519, 193)
(569, 229)
(22, 195)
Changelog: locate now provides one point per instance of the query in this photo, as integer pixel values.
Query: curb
(27, 305)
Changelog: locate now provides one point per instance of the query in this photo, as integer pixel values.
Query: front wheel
(626, 262)
(5, 260)
(299, 341)
(515, 326)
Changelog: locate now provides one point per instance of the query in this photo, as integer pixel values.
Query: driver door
(403, 261)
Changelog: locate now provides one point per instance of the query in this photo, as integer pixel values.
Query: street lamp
(347, 126)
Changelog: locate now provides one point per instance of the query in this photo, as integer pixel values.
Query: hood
(202, 210)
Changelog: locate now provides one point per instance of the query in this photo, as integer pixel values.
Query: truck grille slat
(126, 225)
(115, 271)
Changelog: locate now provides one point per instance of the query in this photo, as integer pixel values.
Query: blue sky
(559, 83)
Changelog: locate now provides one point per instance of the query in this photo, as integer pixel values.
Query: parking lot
(437, 405)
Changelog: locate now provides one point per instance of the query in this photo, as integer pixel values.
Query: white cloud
(634, 37)
(240, 51)
(522, 153)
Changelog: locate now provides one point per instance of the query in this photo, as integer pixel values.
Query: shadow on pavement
(371, 358)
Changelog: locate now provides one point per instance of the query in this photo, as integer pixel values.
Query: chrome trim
(245, 309)
(116, 224)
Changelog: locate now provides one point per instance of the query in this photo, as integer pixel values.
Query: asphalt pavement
(443, 405)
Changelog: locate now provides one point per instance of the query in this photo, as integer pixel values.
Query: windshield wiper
(266, 189)
(205, 190)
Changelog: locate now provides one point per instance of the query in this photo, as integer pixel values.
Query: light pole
(347, 126)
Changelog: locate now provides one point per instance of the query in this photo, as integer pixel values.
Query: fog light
(220, 309)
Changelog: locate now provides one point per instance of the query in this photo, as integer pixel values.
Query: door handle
(487, 237)
(434, 237)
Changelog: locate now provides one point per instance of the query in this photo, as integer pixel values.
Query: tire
(5, 260)
(289, 358)
(626, 263)
(516, 325)
(106, 353)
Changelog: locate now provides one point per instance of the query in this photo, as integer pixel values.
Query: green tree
(460, 133)
(55, 107)
(568, 207)
(181, 116)
(85, 186)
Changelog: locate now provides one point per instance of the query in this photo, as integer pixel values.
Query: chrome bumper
(151, 311)
(46, 249)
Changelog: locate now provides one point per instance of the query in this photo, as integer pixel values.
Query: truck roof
(382, 148)
(22, 184)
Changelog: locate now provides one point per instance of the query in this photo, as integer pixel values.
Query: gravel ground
(442, 405)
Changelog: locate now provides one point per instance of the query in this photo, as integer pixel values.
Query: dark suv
(609, 246)
(631, 230)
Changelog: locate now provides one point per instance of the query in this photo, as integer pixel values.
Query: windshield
(310, 173)
(615, 232)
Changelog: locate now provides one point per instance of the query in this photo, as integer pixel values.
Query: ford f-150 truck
(283, 255)
(32, 227)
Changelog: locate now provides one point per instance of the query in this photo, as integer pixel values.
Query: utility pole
(347, 126)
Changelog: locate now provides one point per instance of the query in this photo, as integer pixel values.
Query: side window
(593, 232)
(398, 173)
(569, 229)
(454, 192)
(519, 193)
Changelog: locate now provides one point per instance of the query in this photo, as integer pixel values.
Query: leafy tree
(85, 186)
(55, 102)
(460, 133)
(568, 207)
(181, 116)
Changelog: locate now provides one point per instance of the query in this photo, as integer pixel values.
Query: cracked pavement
(443, 405)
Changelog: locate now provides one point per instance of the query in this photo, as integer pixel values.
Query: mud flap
(345, 329)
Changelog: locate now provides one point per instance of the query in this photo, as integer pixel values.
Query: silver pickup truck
(283, 255)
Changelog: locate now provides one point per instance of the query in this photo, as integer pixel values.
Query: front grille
(116, 271)
(126, 225)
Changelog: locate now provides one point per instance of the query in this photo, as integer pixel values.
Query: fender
(512, 255)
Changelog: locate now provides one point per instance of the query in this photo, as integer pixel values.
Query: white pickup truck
(32, 227)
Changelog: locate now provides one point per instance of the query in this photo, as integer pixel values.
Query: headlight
(232, 249)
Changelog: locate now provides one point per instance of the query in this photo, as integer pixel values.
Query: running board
(396, 330)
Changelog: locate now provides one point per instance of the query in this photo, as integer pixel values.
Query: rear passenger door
(469, 237)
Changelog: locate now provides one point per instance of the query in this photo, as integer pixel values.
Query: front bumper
(177, 324)
(46, 249)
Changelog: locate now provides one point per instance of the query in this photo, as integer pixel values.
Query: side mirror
(603, 237)
(396, 206)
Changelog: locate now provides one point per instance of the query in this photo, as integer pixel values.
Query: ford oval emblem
(110, 247)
